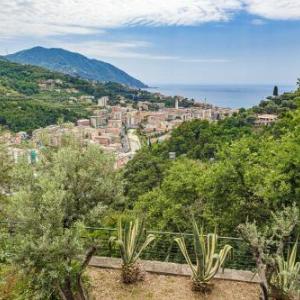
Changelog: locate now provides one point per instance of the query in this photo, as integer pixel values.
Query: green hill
(74, 64)
(33, 97)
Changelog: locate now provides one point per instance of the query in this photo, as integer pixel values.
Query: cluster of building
(151, 122)
(166, 119)
(16, 148)
(109, 125)
(113, 128)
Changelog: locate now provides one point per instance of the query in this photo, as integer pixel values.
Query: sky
(166, 41)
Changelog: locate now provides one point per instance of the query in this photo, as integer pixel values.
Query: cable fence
(165, 249)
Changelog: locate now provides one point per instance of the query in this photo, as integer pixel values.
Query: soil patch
(106, 285)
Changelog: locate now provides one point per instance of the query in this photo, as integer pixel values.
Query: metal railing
(165, 249)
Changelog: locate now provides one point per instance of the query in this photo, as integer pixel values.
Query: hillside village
(114, 122)
(115, 127)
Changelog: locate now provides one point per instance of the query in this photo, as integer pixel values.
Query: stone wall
(167, 268)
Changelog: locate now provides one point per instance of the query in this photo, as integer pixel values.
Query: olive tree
(6, 164)
(53, 202)
(268, 245)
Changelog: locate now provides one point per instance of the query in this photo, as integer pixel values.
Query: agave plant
(286, 278)
(208, 261)
(130, 243)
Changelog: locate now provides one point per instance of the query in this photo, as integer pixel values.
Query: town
(117, 128)
(150, 150)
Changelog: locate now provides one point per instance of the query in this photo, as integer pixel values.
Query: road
(134, 141)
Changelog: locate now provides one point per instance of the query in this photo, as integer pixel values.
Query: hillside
(74, 64)
(225, 171)
(33, 97)
(19, 77)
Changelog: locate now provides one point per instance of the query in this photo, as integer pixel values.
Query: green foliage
(196, 139)
(268, 245)
(279, 104)
(201, 139)
(168, 207)
(141, 174)
(208, 262)
(6, 165)
(286, 277)
(53, 201)
(24, 106)
(250, 173)
(131, 246)
(29, 114)
(12, 284)
(248, 180)
(129, 241)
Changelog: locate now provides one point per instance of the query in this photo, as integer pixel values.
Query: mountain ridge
(74, 64)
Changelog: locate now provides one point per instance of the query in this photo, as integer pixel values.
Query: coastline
(222, 95)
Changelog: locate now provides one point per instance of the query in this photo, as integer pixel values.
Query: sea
(225, 95)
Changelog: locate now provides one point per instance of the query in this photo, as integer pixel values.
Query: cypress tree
(275, 91)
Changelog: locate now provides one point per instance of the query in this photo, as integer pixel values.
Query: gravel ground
(106, 285)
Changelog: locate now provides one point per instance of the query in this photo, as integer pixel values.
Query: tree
(250, 178)
(6, 164)
(168, 207)
(66, 191)
(142, 173)
(268, 244)
(231, 186)
(275, 91)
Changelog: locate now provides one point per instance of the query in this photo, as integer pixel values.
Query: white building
(102, 102)
(265, 119)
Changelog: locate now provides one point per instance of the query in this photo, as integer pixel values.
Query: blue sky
(170, 41)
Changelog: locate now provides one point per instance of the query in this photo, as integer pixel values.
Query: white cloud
(129, 49)
(274, 9)
(50, 17)
(105, 49)
(258, 22)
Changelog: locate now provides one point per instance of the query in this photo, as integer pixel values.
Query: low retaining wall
(167, 268)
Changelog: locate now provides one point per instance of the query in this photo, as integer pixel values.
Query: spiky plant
(208, 261)
(285, 283)
(131, 245)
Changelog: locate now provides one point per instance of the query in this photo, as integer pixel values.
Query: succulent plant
(208, 261)
(130, 242)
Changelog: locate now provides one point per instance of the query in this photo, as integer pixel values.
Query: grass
(106, 284)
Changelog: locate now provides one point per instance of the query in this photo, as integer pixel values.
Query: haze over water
(224, 95)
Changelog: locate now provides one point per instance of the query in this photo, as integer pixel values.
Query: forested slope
(224, 173)
(25, 105)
